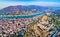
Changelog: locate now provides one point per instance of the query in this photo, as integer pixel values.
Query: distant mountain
(13, 10)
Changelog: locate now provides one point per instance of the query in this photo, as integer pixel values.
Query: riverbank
(20, 16)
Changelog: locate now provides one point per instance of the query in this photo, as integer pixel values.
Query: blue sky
(33, 0)
(5, 3)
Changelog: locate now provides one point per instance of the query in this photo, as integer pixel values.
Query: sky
(6, 3)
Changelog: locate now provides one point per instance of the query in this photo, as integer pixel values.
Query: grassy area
(56, 22)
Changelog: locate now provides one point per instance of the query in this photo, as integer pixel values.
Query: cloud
(6, 4)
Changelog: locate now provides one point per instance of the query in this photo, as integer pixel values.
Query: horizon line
(6, 4)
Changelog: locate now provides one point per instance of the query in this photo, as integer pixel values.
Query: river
(19, 16)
